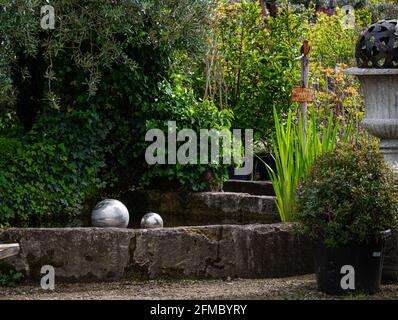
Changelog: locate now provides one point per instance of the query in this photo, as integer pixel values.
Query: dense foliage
(347, 197)
(252, 67)
(81, 97)
(47, 175)
(77, 101)
(332, 43)
(101, 53)
(379, 9)
(179, 104)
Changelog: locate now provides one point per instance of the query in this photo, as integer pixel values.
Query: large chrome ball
(110, 213)
(151, 221)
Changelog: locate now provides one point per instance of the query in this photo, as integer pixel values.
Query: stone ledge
(257, 188)
(371, 71)
(202, 208)
(92, 254)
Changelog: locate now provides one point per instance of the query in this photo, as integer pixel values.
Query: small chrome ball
(110, 213)
(151, 221)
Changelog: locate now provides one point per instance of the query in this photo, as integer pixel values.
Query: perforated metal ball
(377, 46)
(151, 221)
(110, 213)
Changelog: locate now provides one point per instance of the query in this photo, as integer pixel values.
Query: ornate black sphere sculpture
(377, 46)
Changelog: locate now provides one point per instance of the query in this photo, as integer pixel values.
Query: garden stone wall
(201, 208)
(93, 254)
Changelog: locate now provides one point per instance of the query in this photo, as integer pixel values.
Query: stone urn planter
(380, 87)
(377, 60)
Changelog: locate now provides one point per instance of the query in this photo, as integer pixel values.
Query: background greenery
(76, 102)
(79, 99)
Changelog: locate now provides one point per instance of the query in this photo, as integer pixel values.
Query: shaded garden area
(78, 100)
(86, 86)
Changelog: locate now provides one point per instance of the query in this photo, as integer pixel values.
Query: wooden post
(305, 67)
(8, 250)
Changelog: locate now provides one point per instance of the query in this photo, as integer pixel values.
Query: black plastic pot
(367, 262)
(390, 265)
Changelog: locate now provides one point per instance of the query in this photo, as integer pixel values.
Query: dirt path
(288, 288)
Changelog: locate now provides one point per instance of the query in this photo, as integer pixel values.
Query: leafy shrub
(331, 43)
(7, 103)
(92, 39)
(340, 94)
(348, 197)
(384, 10)
(332, 52)
(252, 66)
(363, 18)
(10, 278)
(46, 176)
(179, 104)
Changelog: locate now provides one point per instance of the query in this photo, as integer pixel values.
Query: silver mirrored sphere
(151, 220)
(110, 213)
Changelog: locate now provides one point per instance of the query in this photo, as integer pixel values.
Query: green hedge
(46, 176)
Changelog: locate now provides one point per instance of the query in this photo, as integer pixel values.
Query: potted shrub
(345, 204)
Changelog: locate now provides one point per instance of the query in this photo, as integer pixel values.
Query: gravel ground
(297, 288)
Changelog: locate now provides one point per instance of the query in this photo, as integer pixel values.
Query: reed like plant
(294, 149)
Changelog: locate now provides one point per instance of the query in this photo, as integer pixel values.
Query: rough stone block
(222, 251)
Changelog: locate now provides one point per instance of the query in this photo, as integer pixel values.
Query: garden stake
(305, 66)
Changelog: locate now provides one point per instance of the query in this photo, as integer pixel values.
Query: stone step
(230, 207)
(8, 250)
(203, 252)
(202, 208)
(259, 188)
